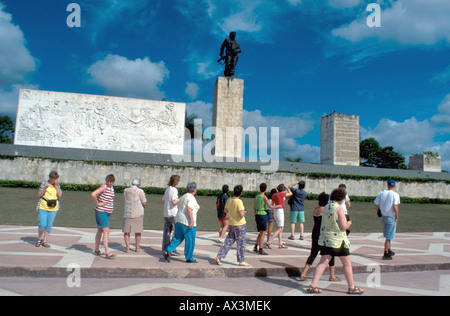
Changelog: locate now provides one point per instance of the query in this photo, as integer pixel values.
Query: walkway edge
(181, 273)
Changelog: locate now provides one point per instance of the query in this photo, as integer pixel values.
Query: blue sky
(301, 60)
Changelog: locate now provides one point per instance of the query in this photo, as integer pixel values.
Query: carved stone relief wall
(69, 120)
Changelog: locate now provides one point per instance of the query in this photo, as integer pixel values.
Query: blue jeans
(183, 232)
(45, 220)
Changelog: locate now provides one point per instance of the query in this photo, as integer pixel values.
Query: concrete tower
(340, 140)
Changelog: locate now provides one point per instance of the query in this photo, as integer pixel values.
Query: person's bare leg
(348, 271)
(138, 237)
(320, 269)
(106, 240)
(98, 238)
(126, 237)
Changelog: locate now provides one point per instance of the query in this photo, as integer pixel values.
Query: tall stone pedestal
(227, 117)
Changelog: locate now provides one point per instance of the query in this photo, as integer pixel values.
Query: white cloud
(16, 64)
(344, 3)
(202, 110)
(408, 137)
(442, 77)
(202, 65)
(411, 136)
(244, 21)
(192, 90)
(235, 15)
(406, 22)
(9, 98)
(444, 152)
(443, 117)
(16, 61)
(101, 14)
(255, 19)
(291, 129)
(294, 2)
(308, 153)
(138, 78)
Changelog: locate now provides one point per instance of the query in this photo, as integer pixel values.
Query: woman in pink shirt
(278, 214)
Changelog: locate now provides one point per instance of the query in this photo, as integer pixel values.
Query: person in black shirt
(221, 216)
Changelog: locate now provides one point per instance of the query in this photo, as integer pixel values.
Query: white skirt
(278, 215)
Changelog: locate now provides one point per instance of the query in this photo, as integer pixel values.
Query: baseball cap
(391, 183)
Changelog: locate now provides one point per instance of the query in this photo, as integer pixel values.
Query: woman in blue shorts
(103, 198)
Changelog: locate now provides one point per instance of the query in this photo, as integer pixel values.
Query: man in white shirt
(170, 201)
(387, 203)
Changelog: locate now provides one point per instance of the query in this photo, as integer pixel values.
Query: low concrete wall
(14, 166)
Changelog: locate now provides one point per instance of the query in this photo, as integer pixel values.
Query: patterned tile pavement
(426, 255)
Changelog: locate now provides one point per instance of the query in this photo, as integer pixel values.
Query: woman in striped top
(103, 198)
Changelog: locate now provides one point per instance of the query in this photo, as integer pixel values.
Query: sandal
(355, 290)
(98, 253)
(268, 245)
(38, 243)
(44, 244)
(335, 279)
(110, 255)
(282, 247)
(313, 290)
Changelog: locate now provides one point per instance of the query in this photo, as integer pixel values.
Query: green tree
(431, 154)
(194, 130)
(6, 129)
(293, 159)
(369, 149)
(373, 155)
(189, 124)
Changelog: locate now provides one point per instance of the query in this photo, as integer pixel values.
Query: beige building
(425, 162)
(340, 140)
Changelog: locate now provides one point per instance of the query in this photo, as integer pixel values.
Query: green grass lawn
(18, 207)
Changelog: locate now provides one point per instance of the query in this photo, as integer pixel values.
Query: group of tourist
(329, 235)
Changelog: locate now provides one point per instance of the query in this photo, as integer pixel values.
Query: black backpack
(291, 200)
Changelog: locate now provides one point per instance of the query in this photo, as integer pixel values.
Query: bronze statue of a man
(232, 49)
